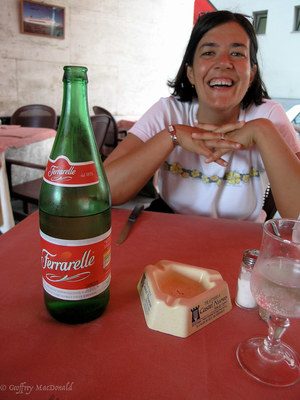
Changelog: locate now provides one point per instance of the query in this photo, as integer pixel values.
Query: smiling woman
(218, 140)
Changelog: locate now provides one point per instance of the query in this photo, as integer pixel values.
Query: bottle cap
(250, 257)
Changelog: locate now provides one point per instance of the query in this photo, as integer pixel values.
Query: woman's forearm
(282, 167)
(133, 163)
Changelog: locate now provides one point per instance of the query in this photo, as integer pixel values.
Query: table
(126, 124)
(26, 144)
(117, 356)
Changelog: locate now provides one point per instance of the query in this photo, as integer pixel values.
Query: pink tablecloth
(26, 144)
(17, 136)
(125, 124)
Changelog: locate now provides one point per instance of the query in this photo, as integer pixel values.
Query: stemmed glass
(275, 285)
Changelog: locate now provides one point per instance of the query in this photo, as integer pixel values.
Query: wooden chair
(100, 124)
(114, 134)
(35, 115)
(28, 192)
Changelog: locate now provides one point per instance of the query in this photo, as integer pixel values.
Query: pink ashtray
(180, 299)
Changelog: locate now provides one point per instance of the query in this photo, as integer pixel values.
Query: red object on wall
(202, 6)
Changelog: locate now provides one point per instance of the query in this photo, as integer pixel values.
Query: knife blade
(130, 222)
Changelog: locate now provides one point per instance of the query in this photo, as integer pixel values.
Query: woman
(218, 140)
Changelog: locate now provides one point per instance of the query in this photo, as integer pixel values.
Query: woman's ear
(190, 74)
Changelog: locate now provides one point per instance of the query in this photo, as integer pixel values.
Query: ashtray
(179, 299)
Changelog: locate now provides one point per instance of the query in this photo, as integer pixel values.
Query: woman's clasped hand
(208, 139)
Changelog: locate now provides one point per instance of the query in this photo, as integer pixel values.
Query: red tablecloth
(117, 356)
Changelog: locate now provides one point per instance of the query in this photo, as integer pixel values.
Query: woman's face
(221, 70)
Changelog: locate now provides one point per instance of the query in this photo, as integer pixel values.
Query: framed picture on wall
(42, 19)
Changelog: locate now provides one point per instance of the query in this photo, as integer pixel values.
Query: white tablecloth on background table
(7, 218)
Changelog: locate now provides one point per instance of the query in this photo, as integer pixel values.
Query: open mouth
(219, 83)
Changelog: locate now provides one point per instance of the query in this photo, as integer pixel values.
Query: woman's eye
(208, 53)
(237, 54)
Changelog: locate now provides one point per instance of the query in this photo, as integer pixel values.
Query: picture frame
(42, 19)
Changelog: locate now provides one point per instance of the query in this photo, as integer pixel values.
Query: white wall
(279, 47)
(131, 48)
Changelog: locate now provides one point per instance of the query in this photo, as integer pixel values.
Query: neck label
(63, 172)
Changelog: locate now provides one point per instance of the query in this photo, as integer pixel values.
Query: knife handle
(135, 212)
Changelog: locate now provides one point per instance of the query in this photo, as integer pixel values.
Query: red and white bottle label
(63, 172)
(76, 269)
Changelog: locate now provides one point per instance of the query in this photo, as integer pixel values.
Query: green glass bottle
(75, 213)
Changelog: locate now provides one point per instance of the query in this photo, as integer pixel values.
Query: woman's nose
(224, 61)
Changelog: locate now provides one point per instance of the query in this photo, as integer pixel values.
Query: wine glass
(275, 285)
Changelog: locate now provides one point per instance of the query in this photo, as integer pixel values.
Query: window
(297, 19)
(260, 21)
(296, 120)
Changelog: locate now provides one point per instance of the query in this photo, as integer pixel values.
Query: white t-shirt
(190, 186)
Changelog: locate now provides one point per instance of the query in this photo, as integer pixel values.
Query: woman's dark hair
(181, 85)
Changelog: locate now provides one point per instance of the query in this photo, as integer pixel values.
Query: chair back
(269, 204)
(100, 124)
(35, 115)
(111, 139)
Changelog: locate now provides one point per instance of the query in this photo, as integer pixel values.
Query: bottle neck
(75, 102)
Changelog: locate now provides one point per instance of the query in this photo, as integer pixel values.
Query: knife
(130, 222)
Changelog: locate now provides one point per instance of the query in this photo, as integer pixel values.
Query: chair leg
(25, 207)
(18, 216)
(29, 208)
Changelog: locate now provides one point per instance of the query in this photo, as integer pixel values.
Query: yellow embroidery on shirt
(176, 168)
(231, 177)
(195, 173)
(253, 172)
